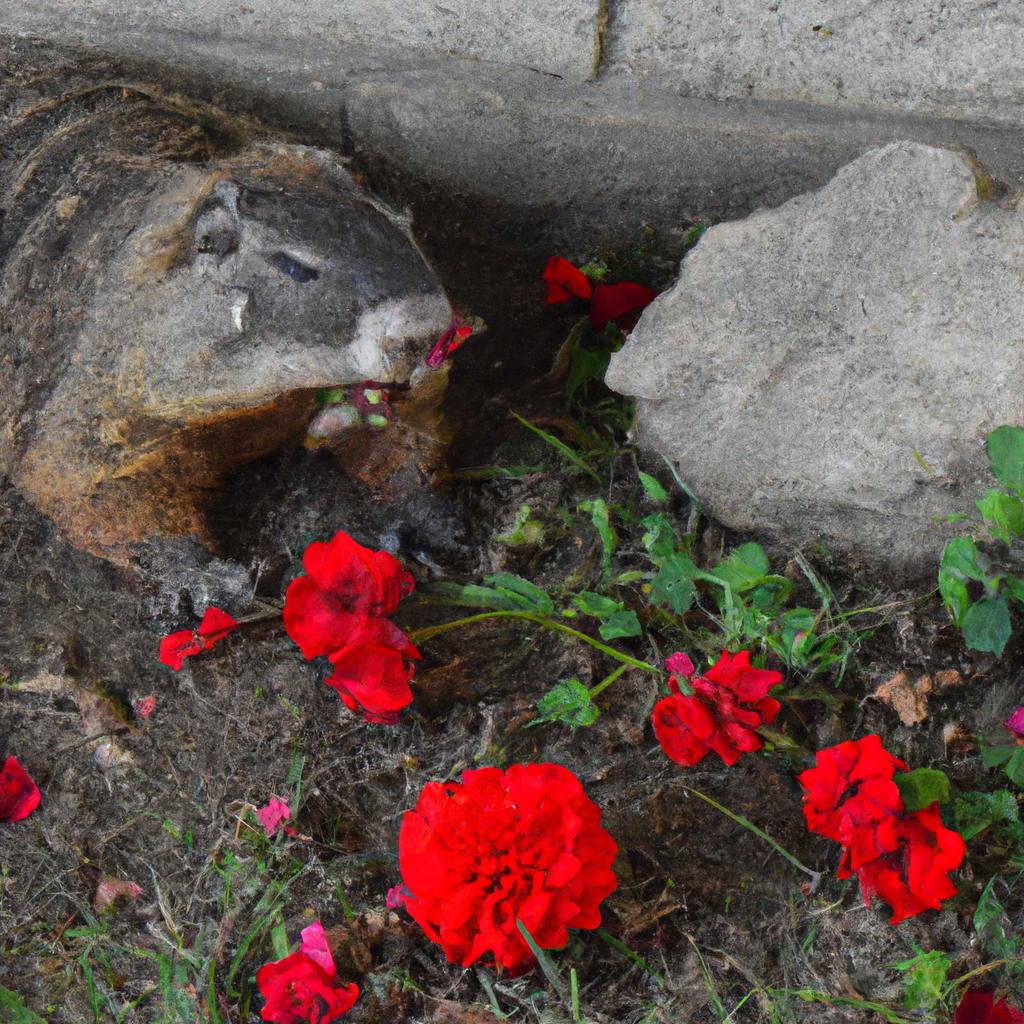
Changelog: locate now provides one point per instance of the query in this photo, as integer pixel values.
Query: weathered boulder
(173, 291)
(827, 372)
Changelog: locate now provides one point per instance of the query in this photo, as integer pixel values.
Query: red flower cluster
(339, 609)
(176, 647)
(851, 797)
(304, 987)
(500, 846)
(728, 703)
(19, 795)
(979, 1006)
(612, 303)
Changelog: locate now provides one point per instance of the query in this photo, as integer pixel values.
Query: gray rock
(827, 372)
(945, 59)
(174, 289)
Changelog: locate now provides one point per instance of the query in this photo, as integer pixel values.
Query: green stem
(607, 681)
(419, 635)
(751, 827)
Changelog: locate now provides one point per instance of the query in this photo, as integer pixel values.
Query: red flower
(19, 795)
(455, 334)
(728, 703)
(851, 796)
(914, 875)
(978, 1006)
(498, 846)
(619, 303)
(343, 581)
(370, 671)
(565, 281)
(176, 647)
(304, 987)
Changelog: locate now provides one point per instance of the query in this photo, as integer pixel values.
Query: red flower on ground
(304, 986)
(176, 647)
(1015, 723)
(565, 282)
(500, 846)
(371, 672)
(619, 303)
(850, 796)
(979, 1006)
(905, 858)
(19, 795)
(344, 582)
(728, 703)
(272, 814)
(913, 876)
(455, 334)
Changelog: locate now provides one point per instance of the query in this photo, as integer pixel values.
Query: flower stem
(751, 827)
(419, 635)
(607, 681)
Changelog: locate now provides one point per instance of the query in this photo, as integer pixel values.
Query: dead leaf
(908, 697)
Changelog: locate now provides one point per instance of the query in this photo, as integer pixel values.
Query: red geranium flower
(914, 875)
(304, 987)
(978, 1006)
(455, 334)
(565, 281)
(176, 647)
(500, 846)
(619, 303)
(19, 795)
(850, 796)
(728, 703)
(344, 581)
(371, 673)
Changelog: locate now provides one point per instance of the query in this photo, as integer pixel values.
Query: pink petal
(679, 664)
(271, 816)
(314, 945)
(1015, 723)
(109, 889)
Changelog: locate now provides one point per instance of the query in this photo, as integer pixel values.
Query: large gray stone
(827, 372)
(946, 59)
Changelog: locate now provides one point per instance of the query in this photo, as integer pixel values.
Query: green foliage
(616, 620)
(599, 517)
(525, 529)
(996, 935)
(975, 813)
(975, 585)
(652, 487)
(925, 979)
(1011, 757)
(521, 593)
(14, 1011)
(568, 701)
(922, 787)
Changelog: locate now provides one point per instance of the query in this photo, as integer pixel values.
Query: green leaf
(987, 626)
(14, 1011)
(599, 517)
(525, 530)
(653, 488)
(569, 702)
(990, 923)
(673, 586)
(585, 365)
(926, 978)
(522, 592)
(616, 621)
(954, 595)
(659, 537)
(922, 787)
(1003, 513)
(470, 595)
(563, 449)
(279, 940)
(1014, 586)
(991, 757)
(960, 556)
(1006, 453)
(546, 965)
(975, 812)
(745, 567)
(1015, 767)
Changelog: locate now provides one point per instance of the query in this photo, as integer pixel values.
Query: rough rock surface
(174, 289)
(827, 372)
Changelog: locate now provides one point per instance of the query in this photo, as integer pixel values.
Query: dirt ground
(716, 926)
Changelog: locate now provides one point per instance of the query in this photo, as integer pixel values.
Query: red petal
(19, 795)
(215, 626)
(612, 302)
(565, 281)
(176, 647)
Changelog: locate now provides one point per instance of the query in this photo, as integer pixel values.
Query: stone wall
(586, 119)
